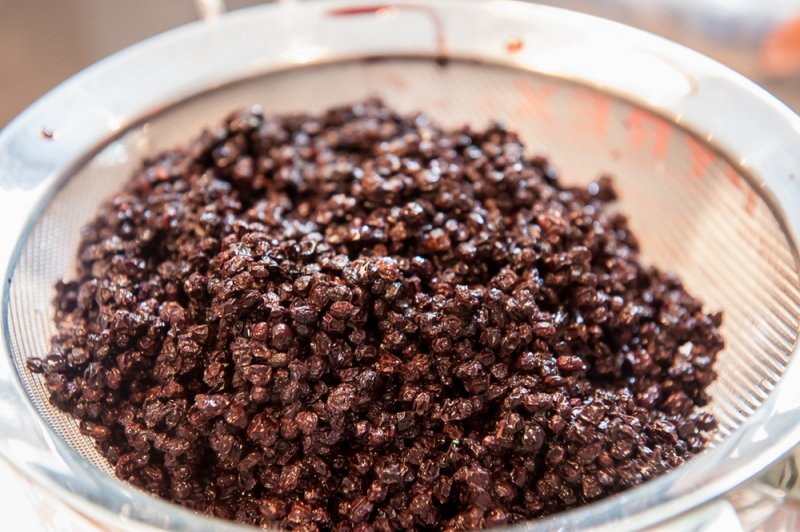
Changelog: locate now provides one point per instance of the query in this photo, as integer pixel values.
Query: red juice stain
(514, 45)
(430, 12)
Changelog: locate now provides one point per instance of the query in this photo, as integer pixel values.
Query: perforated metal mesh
(692, 212)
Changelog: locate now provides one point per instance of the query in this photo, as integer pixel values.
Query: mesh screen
(692, 212)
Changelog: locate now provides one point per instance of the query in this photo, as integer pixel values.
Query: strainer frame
(45, 145)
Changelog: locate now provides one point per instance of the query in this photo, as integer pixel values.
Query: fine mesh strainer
(705, 162)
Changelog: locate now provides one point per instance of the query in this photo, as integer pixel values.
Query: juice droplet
(514, 45)
(47, 133)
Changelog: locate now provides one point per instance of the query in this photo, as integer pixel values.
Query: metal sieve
(705, 162)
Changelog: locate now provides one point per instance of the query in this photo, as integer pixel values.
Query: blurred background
(43, 42)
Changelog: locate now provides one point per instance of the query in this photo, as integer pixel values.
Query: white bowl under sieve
(706, 164)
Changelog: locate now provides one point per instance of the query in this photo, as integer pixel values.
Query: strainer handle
(213, 9)
(209, 9)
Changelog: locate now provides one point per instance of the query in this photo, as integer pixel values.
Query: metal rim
(87, 111)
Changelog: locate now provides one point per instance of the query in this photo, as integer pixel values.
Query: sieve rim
(20, 206)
